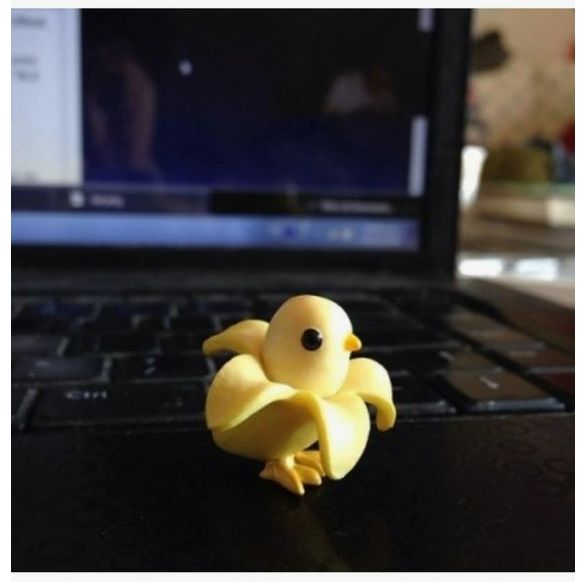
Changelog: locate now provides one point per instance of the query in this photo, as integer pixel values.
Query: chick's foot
(311, 459)
(290, 474)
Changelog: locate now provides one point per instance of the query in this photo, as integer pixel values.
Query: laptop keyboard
(87, 361)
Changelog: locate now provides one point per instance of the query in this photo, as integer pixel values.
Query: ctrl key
(501, 392)
(120, 406)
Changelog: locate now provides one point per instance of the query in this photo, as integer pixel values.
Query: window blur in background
(518, 172)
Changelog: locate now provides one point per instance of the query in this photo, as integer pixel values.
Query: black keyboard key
(182, 342)
(149, 323)
(76, 310)
(144, 308)
(82, 344)
(37, 345)
(383, 321)
(358, 308)
(502, 392)
(394, 363)
(536, 359)
(191, 309)
(262, 314)
(356, 304)
(459, 317)
(192, 323)
(417, 397)
(497, 336)
(53, 310)
(402, 338)
(107, 324)
(91, 369)
(109, 343)
(157, 368)
(435, 361)
(226, 321)
(562, 381)
(107, 406)
(468, 319)
(27, 324)
(156, 302)
(222, 304)
(50, 317)
(271, 301)
(424, 299)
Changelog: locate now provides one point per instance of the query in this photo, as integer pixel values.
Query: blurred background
(518, 173)
(330, 113)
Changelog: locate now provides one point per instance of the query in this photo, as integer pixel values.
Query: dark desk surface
(489, 494)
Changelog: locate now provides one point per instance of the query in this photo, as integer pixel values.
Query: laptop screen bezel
(436, 255)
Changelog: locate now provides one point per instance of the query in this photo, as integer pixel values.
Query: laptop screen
(222, 128)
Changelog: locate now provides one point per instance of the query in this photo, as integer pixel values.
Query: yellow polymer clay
(292, 386)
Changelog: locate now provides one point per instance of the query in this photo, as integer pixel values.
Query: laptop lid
(278, 137)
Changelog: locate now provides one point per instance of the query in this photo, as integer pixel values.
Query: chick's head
(308, 345)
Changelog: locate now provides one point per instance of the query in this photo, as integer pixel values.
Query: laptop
(176, 171)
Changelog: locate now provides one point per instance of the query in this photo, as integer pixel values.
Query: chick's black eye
(311, 339)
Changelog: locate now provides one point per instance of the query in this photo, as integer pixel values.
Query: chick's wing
(240, 389)
(245, 337)
(342, 424)
(370, 380)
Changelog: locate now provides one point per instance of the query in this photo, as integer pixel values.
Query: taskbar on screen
(228, 231)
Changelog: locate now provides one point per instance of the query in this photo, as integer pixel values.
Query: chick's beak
(352, 343)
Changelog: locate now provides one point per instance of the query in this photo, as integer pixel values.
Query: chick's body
(277, 430)
(292, 386)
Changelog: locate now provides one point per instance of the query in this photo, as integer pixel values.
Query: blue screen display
(254, 128)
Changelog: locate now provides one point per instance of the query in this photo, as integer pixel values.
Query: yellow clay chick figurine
(293, 385)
